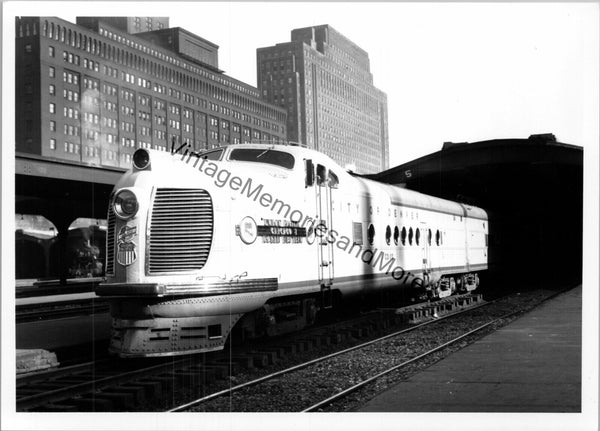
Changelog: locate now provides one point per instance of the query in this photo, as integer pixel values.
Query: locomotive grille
(110, 241)
(181, 230)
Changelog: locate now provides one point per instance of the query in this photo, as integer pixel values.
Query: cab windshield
(271, 157)
(212, 155)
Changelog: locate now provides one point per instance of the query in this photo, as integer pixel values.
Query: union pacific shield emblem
(126, 253)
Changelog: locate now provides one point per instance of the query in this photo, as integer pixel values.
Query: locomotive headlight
(141, 159)
(247, 230)
(125, 204)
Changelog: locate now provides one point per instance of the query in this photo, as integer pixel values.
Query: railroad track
(160, 384)
(53, 287)
(309, 386)
(61, 311)
(113, 384)
(62, 323)
(321, 405)
(335, 402)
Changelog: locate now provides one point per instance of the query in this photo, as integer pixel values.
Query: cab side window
(333, 180)
(321, 175)
(309, 180)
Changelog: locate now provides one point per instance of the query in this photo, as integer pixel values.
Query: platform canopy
(532, 189)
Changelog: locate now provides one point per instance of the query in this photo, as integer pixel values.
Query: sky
(458, 72)
(452, 72)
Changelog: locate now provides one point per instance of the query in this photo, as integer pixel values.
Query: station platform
(532, 365)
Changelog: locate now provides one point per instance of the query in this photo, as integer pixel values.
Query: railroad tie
(91, 403)
(120, 400)
(63, 408)
(228, 368)
(288, 349)
(278, 352)
(304, 345)
(152, 389)
(242, 361)
(210, 372)
(325, 339)
(335, 337)
(261, 359)
(138, 392)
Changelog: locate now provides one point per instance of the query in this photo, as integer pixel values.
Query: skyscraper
(325, 83)
(127, 24)
(92, 93)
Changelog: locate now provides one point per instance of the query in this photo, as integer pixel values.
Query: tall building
(127, 24)
(324, 81)
(93, 93)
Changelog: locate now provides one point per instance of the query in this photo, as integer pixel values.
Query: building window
(51, 51)
(51, 89)
(52, 126)
(52, 108)
(51, 72)
(53, 144)
(28, 48)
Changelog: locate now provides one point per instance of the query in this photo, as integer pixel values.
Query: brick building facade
(93, 93)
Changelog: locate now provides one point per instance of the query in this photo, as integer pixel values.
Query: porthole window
(410, 236)
(388, 235)
(371, 234)
(396, 235)
(403, 236)
(417, 235)
(437, 237)
(429, 236)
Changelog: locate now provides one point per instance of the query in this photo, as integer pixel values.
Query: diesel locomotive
(262, 237)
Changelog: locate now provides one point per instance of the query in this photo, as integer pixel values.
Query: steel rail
(317, 360)
(359, 385)
(45, 397)
(58, 394)
(403, 364)
(25, 379)
(60, 313)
